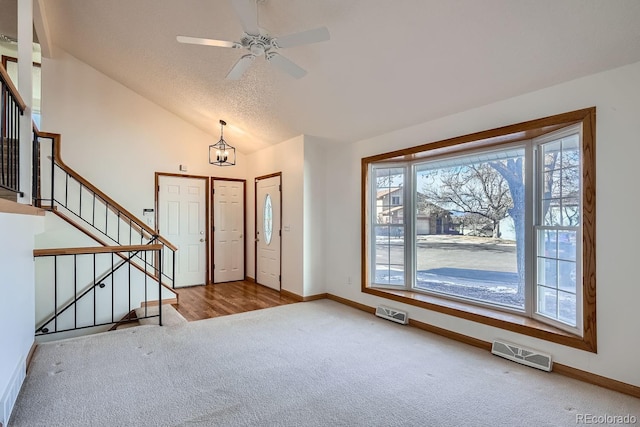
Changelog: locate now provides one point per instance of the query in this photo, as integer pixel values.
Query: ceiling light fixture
(221, 153)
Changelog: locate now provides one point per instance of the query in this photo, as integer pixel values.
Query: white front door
(228, 230)
(182, 219)
(268, 232)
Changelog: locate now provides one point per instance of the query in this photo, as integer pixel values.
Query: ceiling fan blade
(286, 65)
(240, 67)
(247, 11)
(207, 42)
(305, 37)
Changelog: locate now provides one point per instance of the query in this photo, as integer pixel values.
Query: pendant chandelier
(221, 153)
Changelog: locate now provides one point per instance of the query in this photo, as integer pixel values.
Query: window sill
(487, 316)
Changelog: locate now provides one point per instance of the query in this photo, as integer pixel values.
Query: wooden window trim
(497, 137)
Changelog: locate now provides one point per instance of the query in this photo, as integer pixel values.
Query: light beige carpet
(308, 364)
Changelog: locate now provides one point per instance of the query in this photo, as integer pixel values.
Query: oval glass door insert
(268, 219)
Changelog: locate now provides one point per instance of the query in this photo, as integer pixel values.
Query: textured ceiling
(9, 18)
(388, 65)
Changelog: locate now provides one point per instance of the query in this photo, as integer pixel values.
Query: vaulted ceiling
(388, 64)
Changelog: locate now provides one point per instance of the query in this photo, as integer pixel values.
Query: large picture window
(494, 223)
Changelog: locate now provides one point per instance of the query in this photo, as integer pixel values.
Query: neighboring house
(431, 219)
(389, 205)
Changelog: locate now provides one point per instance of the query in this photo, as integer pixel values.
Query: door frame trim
(255, 220)
(208, 273)
(244, 222)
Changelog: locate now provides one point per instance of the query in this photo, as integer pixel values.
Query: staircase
(124, 264)
(91, 287)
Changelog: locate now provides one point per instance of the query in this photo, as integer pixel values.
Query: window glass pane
(570, 183)
(567, 307)
(553, 212)
(560, 182)
(548, 302)
(268, 219)
(570, 212)
(548, 244)
(571, 151)
(567, 245)
(389, 248)
(469, 225)
(567, 276)
(547, 272)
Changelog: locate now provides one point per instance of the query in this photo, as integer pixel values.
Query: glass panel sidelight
(268, 219)
(389, 227)
(559, 222)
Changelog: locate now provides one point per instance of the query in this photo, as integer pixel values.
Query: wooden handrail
(95, 250)
(55, 137)
(4, 76)
(103, 243)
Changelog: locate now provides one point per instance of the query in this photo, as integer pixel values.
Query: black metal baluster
(55, 293)
(129, 280)
(146, 284)
(75, 292)
(3, 130)
(66, 191)
(113, 294)
(106, 218)
(80, 201)
(53, 174)
(35, 171)
(160, 287)
(94, 289)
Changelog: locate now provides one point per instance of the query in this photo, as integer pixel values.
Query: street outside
(473, 267)
(480, 268)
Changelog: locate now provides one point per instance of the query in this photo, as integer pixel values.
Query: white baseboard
(10, 394)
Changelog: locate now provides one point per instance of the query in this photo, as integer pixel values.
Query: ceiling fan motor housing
(257, 45)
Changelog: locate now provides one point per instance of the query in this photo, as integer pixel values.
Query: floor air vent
(522, 355)
(392, 314)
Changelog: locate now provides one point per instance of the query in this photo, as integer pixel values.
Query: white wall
(17, 301)
(302, 163)
(315, 201)
(288, 158)
(616, 94)
(117, 139)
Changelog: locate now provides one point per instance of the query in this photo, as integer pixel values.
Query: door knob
(202, 240)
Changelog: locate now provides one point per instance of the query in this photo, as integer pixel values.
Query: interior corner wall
(17, 304)
(118, 139)
(288, 158)
(616, 95)
(315, 200)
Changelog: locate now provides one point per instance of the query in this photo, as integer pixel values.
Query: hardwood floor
(205, 302)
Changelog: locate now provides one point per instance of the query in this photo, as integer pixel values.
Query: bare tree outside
(477, 191)
(484, 194)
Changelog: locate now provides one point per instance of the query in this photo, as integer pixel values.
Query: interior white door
(228, 231)
(182, 219)
(268, 231)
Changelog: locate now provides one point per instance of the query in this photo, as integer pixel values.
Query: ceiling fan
(259, 43)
